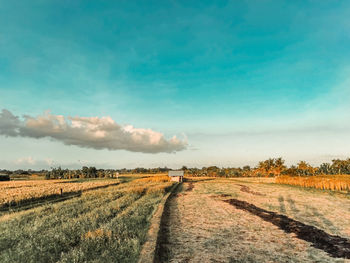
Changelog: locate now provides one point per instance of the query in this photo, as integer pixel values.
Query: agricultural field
(201, 220)
(103, 225)
(324, 182)
(254, 220)
(15, 193)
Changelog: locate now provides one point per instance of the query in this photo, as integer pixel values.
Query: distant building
(176, 176)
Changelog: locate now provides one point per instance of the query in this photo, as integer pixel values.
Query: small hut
(176, 176)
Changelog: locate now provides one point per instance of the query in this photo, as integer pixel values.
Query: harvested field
(246, 189)
(336, 246)
(243, 220)
(15, 193)
(104, 225)
(203, 220)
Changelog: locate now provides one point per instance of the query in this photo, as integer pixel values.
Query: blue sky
(236, 81)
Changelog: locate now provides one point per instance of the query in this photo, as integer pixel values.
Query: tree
(325, 168)
(84, 172)
(246, 168)
(47, 176)
(341, 166)
(92, 172)
(305, 169)
(271, 167)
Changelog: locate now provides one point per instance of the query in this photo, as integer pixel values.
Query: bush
(4, 177)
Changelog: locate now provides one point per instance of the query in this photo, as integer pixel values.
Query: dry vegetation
(325, 182)
(155, 178)
(103, 225)
(205, 220)
(203, 226)
(17, 192)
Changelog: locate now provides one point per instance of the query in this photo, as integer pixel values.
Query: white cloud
(25, 160)
(89, 132)
(49, 161)
(8, 123)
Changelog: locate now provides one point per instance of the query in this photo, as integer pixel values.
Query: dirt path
(199, 227)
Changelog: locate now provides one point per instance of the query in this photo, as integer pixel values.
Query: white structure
(176, 176)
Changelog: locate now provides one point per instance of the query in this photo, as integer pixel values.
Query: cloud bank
(89, 132)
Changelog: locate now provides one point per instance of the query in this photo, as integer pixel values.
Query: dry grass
(16, 192)
(143, 175)
(203, 228)
(103, 225)
(154, 178)
(159, 189)
(329, 182)
(98, 233)
(207, 230)
(149, 185)
(328, 211)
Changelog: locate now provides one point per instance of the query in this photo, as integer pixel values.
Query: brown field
(254, 220)
(17, 192)
(155, 178)
(204, 220)
(326, 182)
(144, 175)
(100, 225)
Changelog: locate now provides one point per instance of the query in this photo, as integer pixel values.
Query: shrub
(4, 177)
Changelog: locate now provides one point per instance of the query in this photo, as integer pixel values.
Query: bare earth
(201, 227)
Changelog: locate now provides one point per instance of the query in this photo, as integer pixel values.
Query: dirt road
(201, 227)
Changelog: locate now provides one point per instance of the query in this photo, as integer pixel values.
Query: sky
(118, 84)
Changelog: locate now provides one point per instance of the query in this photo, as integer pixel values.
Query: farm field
(204, 220)
(103, 225)
(14, 193)
(254, 220)
(324, 182)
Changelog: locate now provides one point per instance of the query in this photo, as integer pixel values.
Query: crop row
(17, 192)
(103, 225)
(332, 182)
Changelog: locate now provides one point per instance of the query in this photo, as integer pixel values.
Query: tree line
(268, 168)
(274, 167)
(93, 172)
